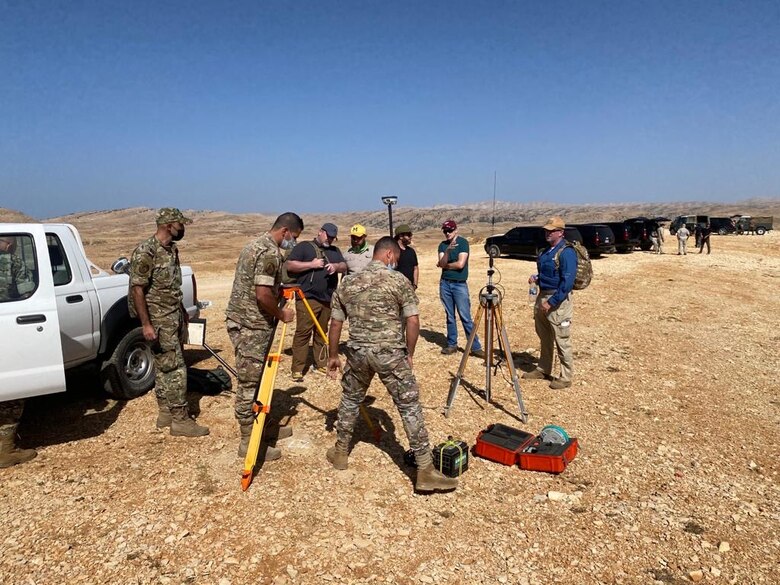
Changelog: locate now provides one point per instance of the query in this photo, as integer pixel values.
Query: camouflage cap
(171, 215)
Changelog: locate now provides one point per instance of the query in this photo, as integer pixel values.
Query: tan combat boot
(164, 413)
(270, 453)
(338, 455)
(183, 425)
(430, 479)
(9, 454)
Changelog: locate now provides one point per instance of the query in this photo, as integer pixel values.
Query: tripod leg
(464, 359)
(489, 317)
(375, 431)
(510, 362)
(261, 408)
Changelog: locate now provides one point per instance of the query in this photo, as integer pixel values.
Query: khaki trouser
(304, 328)
(681, 246)
(554, 331)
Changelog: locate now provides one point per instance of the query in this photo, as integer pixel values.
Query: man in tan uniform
(376, 301)
(156, 300)
(251, 317)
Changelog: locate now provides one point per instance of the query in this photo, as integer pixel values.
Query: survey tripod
(490, 308)
(261, 404)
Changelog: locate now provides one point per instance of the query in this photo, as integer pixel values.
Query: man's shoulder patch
(270, 267)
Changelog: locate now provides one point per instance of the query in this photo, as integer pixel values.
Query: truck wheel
(760, 231)
(494, 251)
(129, 372)
(722, 232)
(645, 246)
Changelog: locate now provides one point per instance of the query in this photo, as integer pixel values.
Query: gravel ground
(675, 405)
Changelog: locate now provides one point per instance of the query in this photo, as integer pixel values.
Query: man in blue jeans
(453, 290)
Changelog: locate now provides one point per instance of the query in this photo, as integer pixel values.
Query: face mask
(288, 244)
(391, 266)
(179, 235)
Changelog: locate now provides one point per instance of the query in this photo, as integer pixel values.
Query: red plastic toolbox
(501, 443)
(552, 458)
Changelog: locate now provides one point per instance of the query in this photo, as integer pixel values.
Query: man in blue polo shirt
(554, 309)
(453, 289)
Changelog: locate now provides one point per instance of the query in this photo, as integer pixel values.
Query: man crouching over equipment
(376, 300)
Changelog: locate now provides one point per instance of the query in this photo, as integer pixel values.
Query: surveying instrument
(490, 309)
(495, 329)
(261, 404)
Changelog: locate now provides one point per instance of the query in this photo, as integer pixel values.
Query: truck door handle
(74, 299)
(27, 319)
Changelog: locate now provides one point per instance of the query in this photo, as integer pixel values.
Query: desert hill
(12, 216)
(421, 218)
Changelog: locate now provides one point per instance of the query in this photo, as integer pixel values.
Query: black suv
(723, 225)
(527, 241)
(597, 238)
(642, 228)
(626, 238)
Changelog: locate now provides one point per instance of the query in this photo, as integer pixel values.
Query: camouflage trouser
(394, 372)
(554, 331)
(10, 413)
(171, 372)
(250, 346)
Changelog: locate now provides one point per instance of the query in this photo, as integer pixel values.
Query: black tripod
(490, 307)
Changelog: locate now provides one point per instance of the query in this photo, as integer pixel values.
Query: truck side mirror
(121, 266)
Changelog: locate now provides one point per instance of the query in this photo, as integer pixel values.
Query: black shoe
(478, 353)
(449, 350)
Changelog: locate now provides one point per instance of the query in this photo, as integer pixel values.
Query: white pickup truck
(69, 312)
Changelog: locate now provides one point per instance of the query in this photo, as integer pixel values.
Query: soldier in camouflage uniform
(156, 300)
(251, 317)
(376, 300)
(16, 281)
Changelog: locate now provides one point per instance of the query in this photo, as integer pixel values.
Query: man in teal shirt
(453, 289)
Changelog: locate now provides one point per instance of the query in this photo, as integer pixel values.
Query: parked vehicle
(690, 221)
(524, 241)
(641, 228)
(759, 225)
(74, 313)
(597, 238)
(722, 225)
(626, 238)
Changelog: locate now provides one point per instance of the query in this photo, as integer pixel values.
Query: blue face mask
(391, 266)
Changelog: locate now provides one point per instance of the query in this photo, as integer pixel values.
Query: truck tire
(722, 231)
(129, 372)
(645, 246)
(760, 231)
(494, 251)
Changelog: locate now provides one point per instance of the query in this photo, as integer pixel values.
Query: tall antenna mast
(493, 219)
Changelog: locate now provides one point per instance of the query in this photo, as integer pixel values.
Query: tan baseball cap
(554, 223)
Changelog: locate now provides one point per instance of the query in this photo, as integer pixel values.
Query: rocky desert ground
(675, 405)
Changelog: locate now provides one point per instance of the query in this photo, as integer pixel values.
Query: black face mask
(179, 235)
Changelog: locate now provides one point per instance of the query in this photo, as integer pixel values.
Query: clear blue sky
(316, 106)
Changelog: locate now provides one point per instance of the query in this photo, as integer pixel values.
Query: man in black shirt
(316, 265)
(706, 230)
(407, 262)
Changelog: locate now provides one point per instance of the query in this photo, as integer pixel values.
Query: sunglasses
(448, 231)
